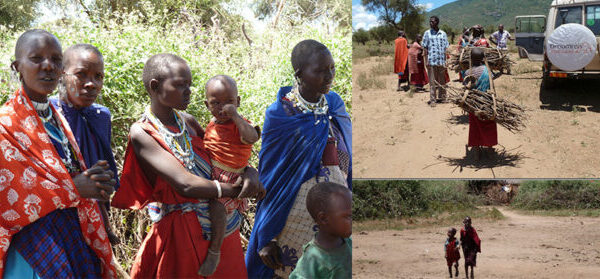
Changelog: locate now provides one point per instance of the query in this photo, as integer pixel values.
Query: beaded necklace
(180, 143)
(55, 132)
(319, 108)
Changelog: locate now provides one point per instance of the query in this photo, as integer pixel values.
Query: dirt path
(396, 135)
(520, 246)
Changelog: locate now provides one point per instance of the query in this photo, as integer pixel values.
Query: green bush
(126, 42)
(558, 194)
(376, 199)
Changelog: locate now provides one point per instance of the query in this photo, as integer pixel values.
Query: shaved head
(159, 67)
(220, 81)
(303, 51)
(28, 36)
(319, 197)
(78, 48)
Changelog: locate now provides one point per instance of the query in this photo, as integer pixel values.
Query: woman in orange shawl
(401, 60)
(50, 226)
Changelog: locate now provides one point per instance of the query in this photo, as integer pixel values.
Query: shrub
(558, 194)
(376, 199)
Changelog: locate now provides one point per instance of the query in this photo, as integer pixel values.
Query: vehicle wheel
(549, 82)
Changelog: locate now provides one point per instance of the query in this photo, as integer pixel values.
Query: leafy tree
(401, 14)
(360, 36)
(17, 14)
(382, 33)
(301, 10)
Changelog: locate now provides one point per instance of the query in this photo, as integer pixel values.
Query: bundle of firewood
(486, 106)
(496, 59)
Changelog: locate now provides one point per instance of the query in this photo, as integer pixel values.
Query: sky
(361, 18)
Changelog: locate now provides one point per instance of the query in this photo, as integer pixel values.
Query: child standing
(329, 253)
(452, 253)
(471, 245)
(228, 138)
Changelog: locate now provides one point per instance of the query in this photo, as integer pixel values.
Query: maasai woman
(49, 224)
(90, 122)
(167, 169)
(482, 132)
(416, 66)
(401, 59)
(307, 138)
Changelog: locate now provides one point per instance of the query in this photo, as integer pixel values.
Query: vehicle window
(592, 18)
(538, 24)
(568, 15)
(531, 25)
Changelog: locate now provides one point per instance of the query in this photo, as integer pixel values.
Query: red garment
(416, 66)
(35, 182)
(223, 142)
(470, 236)
(482, 132)
(401, 55)
(471, 245)
(481, 43)
(174, 247)
(452, 253)
(447, 75)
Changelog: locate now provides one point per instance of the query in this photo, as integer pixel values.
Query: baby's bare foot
(209, 266)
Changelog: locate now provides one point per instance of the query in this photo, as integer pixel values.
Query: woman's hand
(251, 186)
(271, 255)
(96, 182)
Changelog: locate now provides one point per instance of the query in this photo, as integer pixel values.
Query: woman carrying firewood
(483, 133)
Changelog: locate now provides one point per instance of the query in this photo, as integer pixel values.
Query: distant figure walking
(451, 251)
(401, 60)
(471, 245)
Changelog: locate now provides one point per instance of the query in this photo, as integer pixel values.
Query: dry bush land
(397, 135)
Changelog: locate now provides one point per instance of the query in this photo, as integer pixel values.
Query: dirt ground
(520, 246)
(397, 135)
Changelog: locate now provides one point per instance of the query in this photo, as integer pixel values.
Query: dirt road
(397, 135)
(520, 246)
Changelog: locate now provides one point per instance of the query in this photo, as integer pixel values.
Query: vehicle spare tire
(571, 47)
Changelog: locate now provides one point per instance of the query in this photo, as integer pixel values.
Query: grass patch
(383, 68)
(454, 218)
(364, 82)
(372, 48)
(527, 67)
(564, 212)
(558, 195)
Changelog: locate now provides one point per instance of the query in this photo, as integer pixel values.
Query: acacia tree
(360, 36)
(401, 14)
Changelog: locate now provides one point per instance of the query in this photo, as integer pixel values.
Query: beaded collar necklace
(319, 107)
(56, 132)
(180, 143)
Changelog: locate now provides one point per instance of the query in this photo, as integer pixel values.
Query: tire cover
(571, 47)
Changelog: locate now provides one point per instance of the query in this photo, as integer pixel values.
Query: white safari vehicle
(566, 40)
